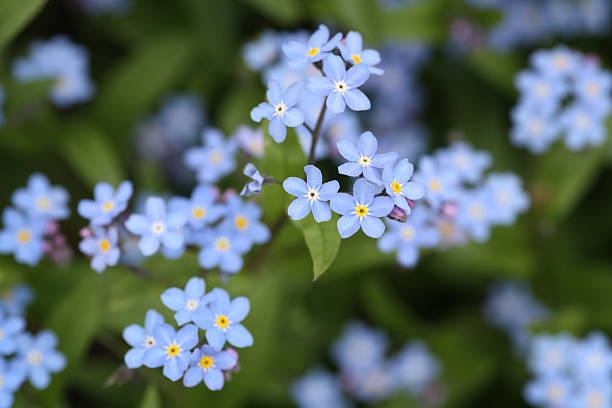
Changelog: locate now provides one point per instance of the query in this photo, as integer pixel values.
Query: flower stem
(316, 132)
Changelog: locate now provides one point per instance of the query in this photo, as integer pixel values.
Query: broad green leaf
(151, 398)
(358, 15)
(323, 242)
(14, 15)
(91, 155)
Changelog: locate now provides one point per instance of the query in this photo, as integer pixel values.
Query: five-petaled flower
(207, 364)
(398, 187)
(102, 247)
(352, 51)
(107, 203)
(312, 195)
(22, 236)
(38, 357)
(280, 110)
(172, 349)
(363, 158)
(319, 45)
(141, 338)
(185, 302)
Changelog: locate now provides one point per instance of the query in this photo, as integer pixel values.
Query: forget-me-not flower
(200, 209)
(12, 378)
(593, 356)
(107, 203)
(215, 159)
(42, 200)
(593, 87)
(507, 195)
(243, 218)
(221, 320)
(441, 182)
(474, 214)
(352, 51)
(395, 178)
(551, 355)
(534, 129)
(141, 338)
(414, 367)
(257, 180)
(172, 349)
(469, 163)
(319, 45)
(22, 236)
(182, 118)
(207, 365)
(363, 158)
(549, 391)
(280, 110)
(10, 328)
(15, 300)
(359, 347)
(156, 227)
(185, 302)
(251, 141)
(341, 86)
(38, 357)
(102, 247)
(361, 210)
(312, 195)
(223, 247)
(583, 127)
(317, 389)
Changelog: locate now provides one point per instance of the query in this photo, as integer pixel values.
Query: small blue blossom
(352, 51)
(543, 91)
(102, 247)
(223, 247)
(141, 338)
(156, 227)
(107, 203)
(243, 218)
(280, 110)
(406, 238)
(185, 302)
(182, 118)
(363, 158)
(16, 299)
(172, 349)
(263, 51)
(508, 197)
(461, 157)
(319, 45)
(361, 210)
(12, 378)
(373, 384)
(10, 328)
(595, 393)
(593, 357)
(221, 320)
(215, 159)
(207, 365)
(341, 86)
(200, 209)
(442, 183)
(22, 237)
(42, 200)
(414, 367)
(474, 215)
(38, 357)
(534, 129)
(251, 141)
(312, 195)
(252, 187)
(60, 59)
(395, 178)
(583, 127)
(318, 389)
(593, 88)
(359, 347)
(560, 61)
(551, 355)
(549, 391)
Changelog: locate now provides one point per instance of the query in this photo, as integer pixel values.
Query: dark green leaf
(323, 242)
(14, 15)
(151, 398)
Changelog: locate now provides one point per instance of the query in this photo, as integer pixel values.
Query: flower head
(182, 118)
(16, 299)
(280, 110)
(22, 236)
(42, 200)
(12, 378)
(359, 347)
(251, 141)
(207, 365)
(185, 302)
(319, 44)
(352, 51)
(214, 159)
(462, 158)
(10, 329)
(38, 357)
(318, 388)
(243, 218)
(200, 209)
(172, 349)
(508, 197)
(102, 247)
(441, 183)
(141, 339)
(223, 247)
(254, 186)
(312, 195)
(398, 187)
(414, 367)
(107, 203)
(363, 158)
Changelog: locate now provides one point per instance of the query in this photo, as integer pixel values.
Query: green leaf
(14, 15)
(323, 242)
(286, 11)
(151, 398)
(91, 155)
(359, 15)
(423, 21)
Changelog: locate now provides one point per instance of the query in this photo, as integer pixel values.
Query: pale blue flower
(361, 210)
(222, 247)
(156, 227)
(508, 197)
(312, 195)
(172, 349)
(300, 54)
(469, 163)
(262, 52)
(243, 218)
(593, 89)
(200, 209)
(544, 91)
(583, 126)
(414, 368)
(141, 339)
(363, 158)
(215, 159)
(440, 181)
(207, 365)
(254, 186)
(16, 299)
(560, 61)
(182, 118)
(353, 52)
(317, 389)
(534, 129)
(593, 357)
(185, 302)
(22, 237)
(12, 378)
(341, 86)
(475, 215)
(107, 203)
(549, 391)
(251, 141)
(359, 347)
(597, 392)
(42, 200)
(38, 357)
(222, 320)
(10, 328)
(102, 246)
(280, 110)
(395, 179)
(552, 355)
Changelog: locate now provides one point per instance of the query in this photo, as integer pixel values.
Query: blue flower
(311, 195)
(15, 300)
(319, 44)
(252, 187)
(508, 197)
(318, 389)
(60, 59)
(172, 349)
(361, 210)
(363, 158)
(442, 183)
(597, 392)
(593, 356)
(558, 62)
(461, 157)
(214, 160)
(207, 364)
(185, 302)
(549, 391)
(534, 129)
(42, 200)
(280, 110)
(102, 247)
(414, 367)
(551, 355)
(141, 339)
(221, 320)
(263, 51)
(341, 86)
(251, 141)
(222, 247)
(10, 328)
(243, 218)
(199, 210)
(474, 215)
(156, 227)
(12, 378)
(406, 238)
(584, 126)
(182, 119)
(359, 347)
(107, 203)
(38, 357)
(353, 52)
(593, 87)
(398, 187)
(22, 236)
(543, 91)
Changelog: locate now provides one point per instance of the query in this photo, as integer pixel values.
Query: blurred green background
(561, 247)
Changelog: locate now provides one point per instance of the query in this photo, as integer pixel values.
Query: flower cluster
(23, 355)
(62, 61)
(566, 93)
(180, 352)
(570, 372)
(460, 203)
(30, 226)
(365, 373)
(512, 307)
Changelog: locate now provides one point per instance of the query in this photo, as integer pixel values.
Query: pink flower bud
(450, 210)
(398, 214)
(227, 194)
(51, 228)
(85, 233)
(411, 203)
(47, 247)
(59, 240)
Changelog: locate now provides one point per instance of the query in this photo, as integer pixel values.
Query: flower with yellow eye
(353, 52)
(207, 364)
(221, 320)
(475, 216)
(396, 181)
(312, 195)
(441, 184)
(214, 159)
(38, 357)
(243, 218)
(141, 338)
(300, 54)
(186, 302)
(200, 209)
(102, 247)
(172, 349)
(22, 237)
(107, 203)
(39, 199)
(362, 158)
(223, 247)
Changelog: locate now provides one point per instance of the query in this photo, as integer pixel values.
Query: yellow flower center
(107, 206)
(24, 236)
(34, 357)
(407, 233)
(313, 51)
(222, 244)
(43, 203)
(364, 161)
(361, 210)
(158, 228)
(241, 222)
(435, 185)
(198, 213)
(222, 322)
(356, 58)
(397, 187)
(173, 350)
(105, 245)
(206, 362)
(216, 157)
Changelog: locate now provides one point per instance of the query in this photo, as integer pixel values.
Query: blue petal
(263, 110)
(208, 258)
(277, 129)
(293, 117)
(138, 224)
(215, 337)
(174, 299)
(348, 150)
(348, 225)
(195, 288)
(274, 93)
(333, 67)
(335, 102)
(187, 337)
(381, 206)
(213, 379)
(382, 160)
(103, 192)
(231, 262)
(354, 42)
(155, 208)
(357, 76)
(342, 203)
(321, 211)
(134, 335)
(363, 191)
(226, 360)
(404, 170)
(328, 190)
(173, 369)
(134, 357)
(372, 175)
(372, 227)
(319, 37)
(313, 176)
(292, 94)
(239, 309)
(151, 319)
(413, 190)
(204, 318)
(320, 85)
(39, 377)
(164, 334)
(350, 169)
(193, 376)
(299, 208)
(239, 336)
(356, 100)
(295, 186)
(367, 144)
(149, 244)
